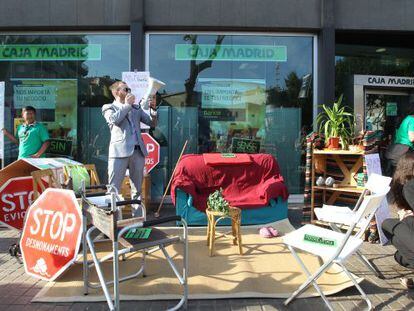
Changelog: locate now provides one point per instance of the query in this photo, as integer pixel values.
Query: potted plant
(216, 202)
(337, 125)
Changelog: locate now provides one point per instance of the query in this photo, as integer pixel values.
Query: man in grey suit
(127, 149)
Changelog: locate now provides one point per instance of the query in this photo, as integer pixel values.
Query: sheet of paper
(373, 164)
(138, 82)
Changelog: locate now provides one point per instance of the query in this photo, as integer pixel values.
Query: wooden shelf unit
(341, 189)
(349, 164)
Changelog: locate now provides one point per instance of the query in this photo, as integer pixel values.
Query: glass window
(368, 54)
(66, 78)
(233, 93)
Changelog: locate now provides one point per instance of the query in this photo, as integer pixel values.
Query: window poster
(138, 81)
(233, 108)
(55, 101)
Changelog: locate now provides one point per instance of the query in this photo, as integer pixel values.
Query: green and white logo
(50, 52)
(252, 53)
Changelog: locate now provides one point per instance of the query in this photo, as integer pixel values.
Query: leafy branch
(217, 202)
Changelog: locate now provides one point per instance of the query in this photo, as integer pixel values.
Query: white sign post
(373, 164)
(138, 82)
(2, 123)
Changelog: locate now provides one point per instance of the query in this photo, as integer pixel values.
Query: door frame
(373, 84)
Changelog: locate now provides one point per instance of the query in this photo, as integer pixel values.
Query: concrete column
(326, 51)
(137, 35)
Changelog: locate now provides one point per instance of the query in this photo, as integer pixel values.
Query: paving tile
(22, 300)
(133, 305)
(62, 308)
(192, 304)
(272, 307)
(88, 306)
(160, 305)
(237, 305)
(21, 308)
(253, 304)
(7, 300)
(381, 302)
(222, 305)
(20, 290)
(44, 306)
(205, 305)
(342, 304)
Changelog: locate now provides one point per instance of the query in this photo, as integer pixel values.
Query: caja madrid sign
(153, 149)
(16, 195)
(52, 233)
(388, 81)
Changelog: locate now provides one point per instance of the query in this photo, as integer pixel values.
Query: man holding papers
(127, 149)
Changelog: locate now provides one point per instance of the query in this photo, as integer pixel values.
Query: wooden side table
(214, 217)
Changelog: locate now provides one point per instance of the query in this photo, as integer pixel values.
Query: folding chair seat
(331, 246)
(105, 219)
(339, 216)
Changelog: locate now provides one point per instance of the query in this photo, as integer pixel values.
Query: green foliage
(217, 202)
(335, 121)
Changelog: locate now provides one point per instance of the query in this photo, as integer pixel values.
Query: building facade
(240, 75)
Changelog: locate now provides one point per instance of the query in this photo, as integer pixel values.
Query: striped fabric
(313, 139)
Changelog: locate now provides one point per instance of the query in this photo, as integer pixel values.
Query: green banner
(51, 52)
(252, 53)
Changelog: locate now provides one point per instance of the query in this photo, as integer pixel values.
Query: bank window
(234, 93)
(66, 78)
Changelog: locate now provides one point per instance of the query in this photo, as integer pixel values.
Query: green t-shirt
(401, 136)
(31, 137)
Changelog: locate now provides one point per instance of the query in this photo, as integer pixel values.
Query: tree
(195, 68)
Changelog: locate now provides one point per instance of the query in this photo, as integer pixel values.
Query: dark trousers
(401, 235)
(393, 154)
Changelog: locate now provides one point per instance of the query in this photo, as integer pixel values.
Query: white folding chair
(340, 216)
(332, 247)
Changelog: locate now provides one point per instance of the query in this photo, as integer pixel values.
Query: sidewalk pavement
(17, 289)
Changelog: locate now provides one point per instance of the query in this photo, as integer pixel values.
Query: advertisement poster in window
(55, 101)
(233, 108)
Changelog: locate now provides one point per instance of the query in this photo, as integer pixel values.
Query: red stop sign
(153, 149)
(16, 195)
(52, 234)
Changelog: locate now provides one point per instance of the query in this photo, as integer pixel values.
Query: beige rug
(267, 269)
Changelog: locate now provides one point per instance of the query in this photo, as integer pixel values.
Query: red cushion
(226, 158)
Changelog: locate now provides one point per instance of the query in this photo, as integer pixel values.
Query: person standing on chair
(31, 137)
(401, 231)
(126, 148)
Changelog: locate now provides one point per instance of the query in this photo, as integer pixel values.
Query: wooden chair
(91, 168)
(39, 179)
(93, 174)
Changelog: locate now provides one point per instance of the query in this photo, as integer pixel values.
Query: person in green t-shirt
(403, 142)
(32, 137)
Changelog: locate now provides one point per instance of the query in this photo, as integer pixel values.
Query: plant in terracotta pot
(217, 202)
(336, 123)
